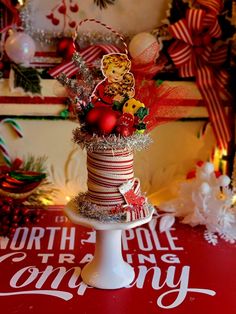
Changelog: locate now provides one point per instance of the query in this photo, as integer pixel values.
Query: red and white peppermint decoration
(131, 192)
(107, 171)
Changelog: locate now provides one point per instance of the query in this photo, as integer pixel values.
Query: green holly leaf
(64, 113)
(158, 82)
(117, 106)
(141, 126)
(88, 108)
(141, 112)
(27, 79)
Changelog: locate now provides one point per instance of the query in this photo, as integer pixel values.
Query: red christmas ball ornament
(66, 48)
(107, 121)
(93, 116)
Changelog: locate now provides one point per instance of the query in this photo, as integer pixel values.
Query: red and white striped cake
(107, 171)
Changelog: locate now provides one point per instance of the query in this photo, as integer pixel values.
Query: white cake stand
(107, 270)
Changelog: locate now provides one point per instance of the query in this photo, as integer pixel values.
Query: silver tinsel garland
(111, 142)
(90, 210)
(93, 211)
(51, 37)
(82, 91)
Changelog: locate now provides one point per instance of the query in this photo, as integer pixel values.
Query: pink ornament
(144, 48)
(20, 48)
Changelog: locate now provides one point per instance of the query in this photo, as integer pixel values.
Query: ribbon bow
(195, 55)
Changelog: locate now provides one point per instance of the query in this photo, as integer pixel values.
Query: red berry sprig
(14, 214)
(64, 10)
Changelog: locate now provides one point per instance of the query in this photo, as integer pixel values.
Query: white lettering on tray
(33, 279)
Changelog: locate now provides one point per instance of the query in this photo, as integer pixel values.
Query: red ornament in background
(66, 48)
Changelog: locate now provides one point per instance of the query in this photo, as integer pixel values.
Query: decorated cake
(154, 44)
(112, 126)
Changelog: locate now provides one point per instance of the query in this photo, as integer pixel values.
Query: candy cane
(3, 147)
(14, 125)
(5, 152)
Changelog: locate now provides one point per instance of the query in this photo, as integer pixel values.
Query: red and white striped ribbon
(194, 55)
(211, 5)
(107, 27)
(89, 55)
(137, 213)
(107, 170)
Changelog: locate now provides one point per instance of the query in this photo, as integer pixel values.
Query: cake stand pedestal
(107, 270)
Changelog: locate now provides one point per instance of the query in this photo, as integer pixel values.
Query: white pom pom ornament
(208, 168)
(224, 180)
(144, 48)
(205, 188)
(20, 48)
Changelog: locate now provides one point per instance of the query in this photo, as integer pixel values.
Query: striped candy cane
(5, 152)
(3, 147)
(14, 125)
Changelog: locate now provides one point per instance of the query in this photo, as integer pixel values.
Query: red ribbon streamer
(194, 55)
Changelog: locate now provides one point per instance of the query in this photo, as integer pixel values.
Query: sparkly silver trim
(111, 142)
